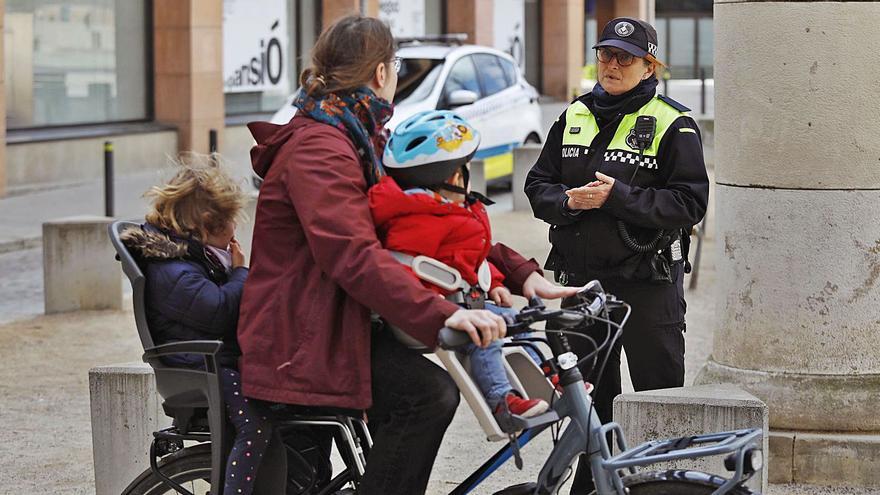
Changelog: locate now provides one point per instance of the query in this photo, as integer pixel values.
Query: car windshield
(416, 78)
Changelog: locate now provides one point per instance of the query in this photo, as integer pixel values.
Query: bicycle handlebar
(593, 300)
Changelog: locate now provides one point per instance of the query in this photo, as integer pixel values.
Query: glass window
(510, 72)
(416, 78)
(434, 16)
(462, 76)
(662, 25)
(75, 62)
(533, 67)
(681, 47)
(259, 46)
(705, 57)
(591, 38)
(492, 76)
(681, 6)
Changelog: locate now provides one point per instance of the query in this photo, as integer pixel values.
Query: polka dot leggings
(252, 434)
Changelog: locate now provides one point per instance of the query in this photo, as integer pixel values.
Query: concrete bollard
(523, 158)
(126, 410)
(477, 179)
(79, 267)
(676, 412)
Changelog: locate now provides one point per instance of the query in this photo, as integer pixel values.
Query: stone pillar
(332, 10)
(188, 69)
(798, 304)
(472, 17)
(2, 105)
(80, 271)
(562, 47)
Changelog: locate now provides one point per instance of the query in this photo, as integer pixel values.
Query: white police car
(483, 85)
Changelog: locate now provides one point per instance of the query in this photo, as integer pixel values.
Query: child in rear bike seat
(423, 207)
(195, 272)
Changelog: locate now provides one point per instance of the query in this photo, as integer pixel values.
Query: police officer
(621, 181)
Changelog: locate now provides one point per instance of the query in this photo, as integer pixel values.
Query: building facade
(156, 77)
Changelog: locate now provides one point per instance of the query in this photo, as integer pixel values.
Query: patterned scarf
(362, 115)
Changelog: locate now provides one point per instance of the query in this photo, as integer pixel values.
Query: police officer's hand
(592, 195)
(482, 326)
(537, 285)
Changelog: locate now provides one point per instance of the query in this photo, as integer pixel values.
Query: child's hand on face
(238, 257)
(501, 296)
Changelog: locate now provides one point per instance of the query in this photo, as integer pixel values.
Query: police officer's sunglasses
(624, 58)
(396, 63)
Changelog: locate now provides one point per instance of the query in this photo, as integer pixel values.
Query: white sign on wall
(509, 25)
(406, 18)
(255, 45)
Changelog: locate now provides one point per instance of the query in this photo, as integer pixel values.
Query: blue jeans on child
(487, 367)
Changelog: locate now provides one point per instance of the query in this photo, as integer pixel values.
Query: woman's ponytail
(312, 82)
(346, 54)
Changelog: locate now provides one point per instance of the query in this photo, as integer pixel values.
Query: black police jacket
(670, 193)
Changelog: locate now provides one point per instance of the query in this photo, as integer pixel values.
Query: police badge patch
(631, 139)
(624, 29)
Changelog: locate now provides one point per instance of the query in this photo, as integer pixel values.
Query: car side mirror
(461, 97)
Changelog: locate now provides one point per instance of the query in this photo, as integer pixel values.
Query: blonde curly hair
(200, 199)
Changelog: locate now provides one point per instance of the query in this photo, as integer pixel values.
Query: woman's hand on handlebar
(537, 285)
(482, 326)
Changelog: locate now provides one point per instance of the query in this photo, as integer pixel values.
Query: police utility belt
(671, 249)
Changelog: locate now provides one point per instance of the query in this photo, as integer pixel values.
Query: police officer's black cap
(633, 35)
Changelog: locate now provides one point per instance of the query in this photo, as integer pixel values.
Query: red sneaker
(554, 380)
(526, 408)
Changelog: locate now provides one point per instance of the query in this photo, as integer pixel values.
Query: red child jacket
(317, 270)
(422, 223)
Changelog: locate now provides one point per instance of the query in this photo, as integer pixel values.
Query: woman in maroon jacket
(318, 270)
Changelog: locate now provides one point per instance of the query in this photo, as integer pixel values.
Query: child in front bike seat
(423, 208)
(195, 272)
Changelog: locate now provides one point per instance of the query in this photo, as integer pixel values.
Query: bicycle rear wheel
(190, 467)
(679, 482)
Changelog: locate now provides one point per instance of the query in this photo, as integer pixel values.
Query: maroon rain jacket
(318, 269)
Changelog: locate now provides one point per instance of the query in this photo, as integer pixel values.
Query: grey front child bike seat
(524, 375)
(188, 394)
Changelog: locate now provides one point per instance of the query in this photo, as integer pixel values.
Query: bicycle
(193, 399)
(585, 434)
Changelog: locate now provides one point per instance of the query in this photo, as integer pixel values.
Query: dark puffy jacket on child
(189, 295)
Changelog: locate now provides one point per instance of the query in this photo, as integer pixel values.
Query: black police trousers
(654, 343)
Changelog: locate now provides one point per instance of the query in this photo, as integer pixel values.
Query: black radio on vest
(660, 266)
(645, 127)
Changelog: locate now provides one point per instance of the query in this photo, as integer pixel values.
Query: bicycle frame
(585, 434)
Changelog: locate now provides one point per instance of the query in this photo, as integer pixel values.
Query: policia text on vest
(669, 192)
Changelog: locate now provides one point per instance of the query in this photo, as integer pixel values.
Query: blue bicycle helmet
(427, 148)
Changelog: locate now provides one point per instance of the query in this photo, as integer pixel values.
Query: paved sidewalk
(22, 216)
(45, 434)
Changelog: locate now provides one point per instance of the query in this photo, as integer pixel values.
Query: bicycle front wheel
(190, 467)
(679, 482)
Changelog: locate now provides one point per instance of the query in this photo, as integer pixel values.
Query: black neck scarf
(607, 107)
